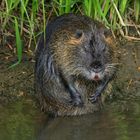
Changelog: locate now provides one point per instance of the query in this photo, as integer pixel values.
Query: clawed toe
(77, 103)
(93, 98)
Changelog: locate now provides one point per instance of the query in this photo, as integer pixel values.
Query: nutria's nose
(97, 66)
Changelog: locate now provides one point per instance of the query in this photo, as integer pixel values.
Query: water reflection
(110, 124)
(21, 121)
(18, 121)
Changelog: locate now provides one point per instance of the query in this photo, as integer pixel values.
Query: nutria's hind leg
(94, 97)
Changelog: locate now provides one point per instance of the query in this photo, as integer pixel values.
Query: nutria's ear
(77, 38)
(108, 36)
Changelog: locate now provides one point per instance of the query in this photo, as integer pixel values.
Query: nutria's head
(84, 53)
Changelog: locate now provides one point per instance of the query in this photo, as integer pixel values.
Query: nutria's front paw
(77, 102)
(94, 98)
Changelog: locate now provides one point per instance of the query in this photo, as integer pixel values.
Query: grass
(18, 44)
(30, 17)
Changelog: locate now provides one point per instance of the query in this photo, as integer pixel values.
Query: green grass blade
(95, 10)
(86, 4)
(18, 42)
(18, 45)
(123, 5)
(106, 7)
(61, 8)
(100, 11)
(137, 9)
(23, 13)
(68, 6)
(118, 13)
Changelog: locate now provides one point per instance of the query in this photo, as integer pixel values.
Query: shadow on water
(118, 120)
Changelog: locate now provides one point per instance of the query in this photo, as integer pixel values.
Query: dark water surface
(20, 121)
(109, 124)
(117, 120)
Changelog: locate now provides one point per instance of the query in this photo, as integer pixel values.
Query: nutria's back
(74, 65)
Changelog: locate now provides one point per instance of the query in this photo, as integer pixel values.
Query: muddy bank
(128, 79)
(17, 82)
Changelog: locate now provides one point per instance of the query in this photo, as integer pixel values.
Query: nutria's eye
(78, 34)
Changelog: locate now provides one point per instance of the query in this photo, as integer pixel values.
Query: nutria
(74, 65)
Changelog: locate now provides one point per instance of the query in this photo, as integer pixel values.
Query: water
(22, 121)
(109, 124)
(17, 122)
